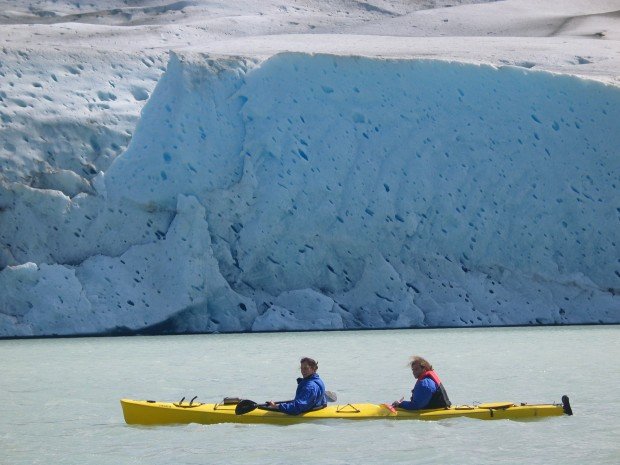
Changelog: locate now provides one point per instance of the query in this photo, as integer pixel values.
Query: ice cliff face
(324, 192)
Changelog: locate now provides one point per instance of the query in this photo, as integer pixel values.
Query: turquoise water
(60, 396)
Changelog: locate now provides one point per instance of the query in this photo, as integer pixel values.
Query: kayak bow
(150, 412)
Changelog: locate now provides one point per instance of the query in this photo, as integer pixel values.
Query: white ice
(202, 166)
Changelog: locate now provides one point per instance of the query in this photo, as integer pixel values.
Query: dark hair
(310, 362)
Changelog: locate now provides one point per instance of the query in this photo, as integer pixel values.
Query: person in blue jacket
(428, 392)
(310, 392)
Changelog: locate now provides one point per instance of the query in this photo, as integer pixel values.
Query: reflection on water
(61, 396)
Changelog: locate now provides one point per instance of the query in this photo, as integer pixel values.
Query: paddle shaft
(247, 406)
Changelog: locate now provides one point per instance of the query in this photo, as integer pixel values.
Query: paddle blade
(331, 396)
(245, 406)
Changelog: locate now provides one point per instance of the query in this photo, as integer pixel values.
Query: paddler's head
(308, 367)
(419, 365)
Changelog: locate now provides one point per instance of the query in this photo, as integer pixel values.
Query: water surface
(61, 396)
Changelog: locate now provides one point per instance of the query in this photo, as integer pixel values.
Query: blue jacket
(310, 394)
(421, 395)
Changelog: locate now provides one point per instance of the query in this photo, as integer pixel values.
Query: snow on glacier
(327, 192)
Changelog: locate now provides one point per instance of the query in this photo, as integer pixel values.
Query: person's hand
(272, 404)
(396, 403)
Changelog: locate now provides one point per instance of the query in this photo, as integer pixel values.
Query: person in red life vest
(428, 391)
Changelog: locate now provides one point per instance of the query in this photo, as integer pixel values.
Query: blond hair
(420, 361)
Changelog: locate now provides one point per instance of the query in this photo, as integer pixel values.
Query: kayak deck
(149, 412)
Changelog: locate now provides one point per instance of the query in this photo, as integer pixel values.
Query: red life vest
(432, 375)
(440, 398)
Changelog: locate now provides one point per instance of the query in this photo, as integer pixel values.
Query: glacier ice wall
(326, 192)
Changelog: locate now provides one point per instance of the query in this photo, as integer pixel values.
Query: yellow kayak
(150, 412)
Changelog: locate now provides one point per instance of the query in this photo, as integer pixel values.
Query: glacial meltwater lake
(60, 397)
